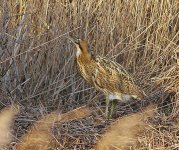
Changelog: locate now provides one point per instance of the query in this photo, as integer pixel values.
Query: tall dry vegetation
(37, 62)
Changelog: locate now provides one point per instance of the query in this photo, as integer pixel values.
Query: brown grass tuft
(39, 135)
(123, 133)
(6, 119)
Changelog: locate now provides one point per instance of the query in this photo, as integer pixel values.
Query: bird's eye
(78, 40)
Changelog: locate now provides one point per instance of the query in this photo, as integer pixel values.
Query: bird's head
(81, 46)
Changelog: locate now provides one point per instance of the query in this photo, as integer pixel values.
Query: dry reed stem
(39, 136)
(6, 121)
(123, 132)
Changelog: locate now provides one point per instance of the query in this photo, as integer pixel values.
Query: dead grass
(7, 116)
(40, 136)
(37, 68)
(124, 132)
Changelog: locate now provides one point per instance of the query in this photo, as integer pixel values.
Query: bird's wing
(113, 67)
(115, 77)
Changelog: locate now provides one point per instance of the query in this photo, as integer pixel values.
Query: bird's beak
(75, 41)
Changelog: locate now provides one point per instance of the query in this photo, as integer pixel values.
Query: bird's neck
(84, 58)
(83, 55)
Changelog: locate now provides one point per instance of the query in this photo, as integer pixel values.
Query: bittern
(105, 75)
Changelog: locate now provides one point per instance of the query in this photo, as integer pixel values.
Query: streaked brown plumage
(105, 75)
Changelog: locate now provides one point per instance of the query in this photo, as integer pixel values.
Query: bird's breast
(85, 71)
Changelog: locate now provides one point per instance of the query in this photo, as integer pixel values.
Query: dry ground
(37, 72)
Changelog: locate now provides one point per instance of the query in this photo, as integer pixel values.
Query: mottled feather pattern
(112, 67)
(107, 76)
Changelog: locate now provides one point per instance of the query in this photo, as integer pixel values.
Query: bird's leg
(113, 106)
(107, 107)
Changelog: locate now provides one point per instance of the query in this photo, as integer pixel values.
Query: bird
(105, 75)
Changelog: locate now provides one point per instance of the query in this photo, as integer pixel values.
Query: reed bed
(37, 64)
